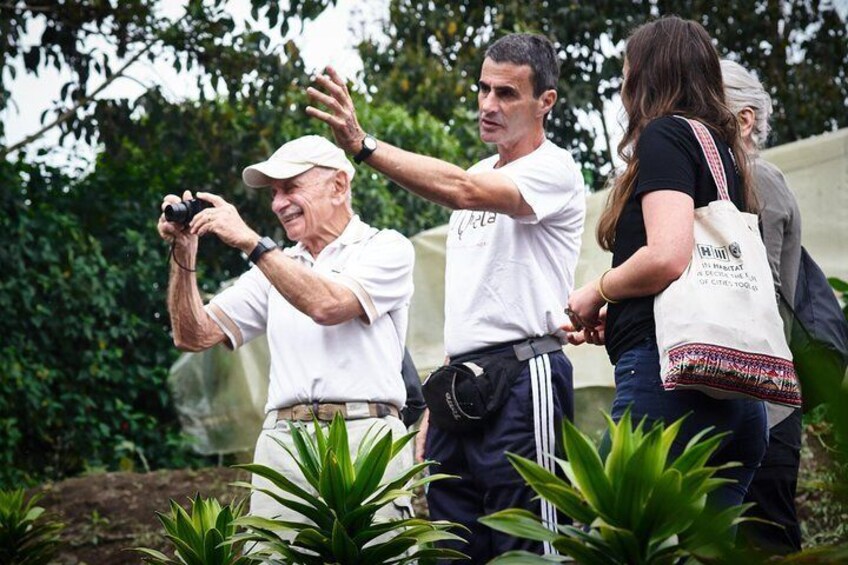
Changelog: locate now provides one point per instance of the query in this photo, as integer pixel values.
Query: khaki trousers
(270, 454)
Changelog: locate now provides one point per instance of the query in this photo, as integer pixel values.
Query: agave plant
(27, 535)
(203, 536)
(639, 506)
(340, 513)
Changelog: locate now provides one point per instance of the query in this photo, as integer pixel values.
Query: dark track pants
(529, 425)
(773, 492)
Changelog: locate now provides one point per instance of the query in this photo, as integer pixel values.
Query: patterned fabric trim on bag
(701, 364)
(708, 146)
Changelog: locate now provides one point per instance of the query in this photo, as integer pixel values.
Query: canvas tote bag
(718, 326)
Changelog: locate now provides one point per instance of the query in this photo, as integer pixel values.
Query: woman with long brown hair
(671, 70)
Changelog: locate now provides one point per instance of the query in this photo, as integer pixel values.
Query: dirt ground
(107, 513)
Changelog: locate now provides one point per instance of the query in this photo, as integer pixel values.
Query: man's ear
(747, 119)
(341, 186)
(547, 101)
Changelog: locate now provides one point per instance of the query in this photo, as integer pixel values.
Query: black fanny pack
(465, 394)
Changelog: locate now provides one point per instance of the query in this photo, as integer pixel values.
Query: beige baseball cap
(296, 157)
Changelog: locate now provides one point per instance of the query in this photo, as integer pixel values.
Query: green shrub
(202, 536)
(639, 505)
(86, 351)
(27, 535)
(344, 527)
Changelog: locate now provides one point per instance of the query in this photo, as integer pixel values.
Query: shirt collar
(355, 231)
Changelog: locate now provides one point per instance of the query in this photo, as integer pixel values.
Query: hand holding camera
(183, 242)
(182, 221)
(172, 231)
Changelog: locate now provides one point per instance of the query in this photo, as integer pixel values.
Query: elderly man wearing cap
(334, 306)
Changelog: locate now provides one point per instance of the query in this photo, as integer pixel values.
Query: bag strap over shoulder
(711, 154)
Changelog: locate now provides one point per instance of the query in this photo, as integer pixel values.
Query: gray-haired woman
(773, 486)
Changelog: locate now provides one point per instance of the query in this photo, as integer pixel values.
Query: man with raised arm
(512, 247)
(334, 306)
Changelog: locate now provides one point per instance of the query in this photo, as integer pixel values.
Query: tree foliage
(97, 42)
(434, 51)
(86, 355)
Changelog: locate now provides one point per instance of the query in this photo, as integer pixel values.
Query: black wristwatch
(265, 245)
(369, 145)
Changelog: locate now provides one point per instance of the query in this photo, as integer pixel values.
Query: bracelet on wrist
(606, 298)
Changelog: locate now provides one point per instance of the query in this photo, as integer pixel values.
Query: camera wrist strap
(173, 256)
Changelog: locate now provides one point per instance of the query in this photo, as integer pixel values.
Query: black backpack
(819, 336)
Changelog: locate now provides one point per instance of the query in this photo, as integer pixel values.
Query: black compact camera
(183, 212)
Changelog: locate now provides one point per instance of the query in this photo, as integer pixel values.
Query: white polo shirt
(508, 278)
(358, 360)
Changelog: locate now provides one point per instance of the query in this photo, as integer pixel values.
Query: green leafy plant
(340, 520)
(27, 535)
(639, 506)
(203, 536)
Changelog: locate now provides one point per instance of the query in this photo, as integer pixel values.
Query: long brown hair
(673, 69)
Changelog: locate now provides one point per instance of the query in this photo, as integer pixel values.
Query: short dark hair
(535, 51)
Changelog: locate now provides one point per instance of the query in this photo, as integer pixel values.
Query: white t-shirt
(356, 361)
(508, 278)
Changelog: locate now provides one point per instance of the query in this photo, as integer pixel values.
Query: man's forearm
(193, 329)
(449, 185)
(436, 180)
(325, 301)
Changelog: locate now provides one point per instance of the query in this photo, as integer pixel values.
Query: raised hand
(341, 114)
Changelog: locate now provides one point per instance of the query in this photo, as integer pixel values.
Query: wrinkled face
(305, 203)
(508, 111)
